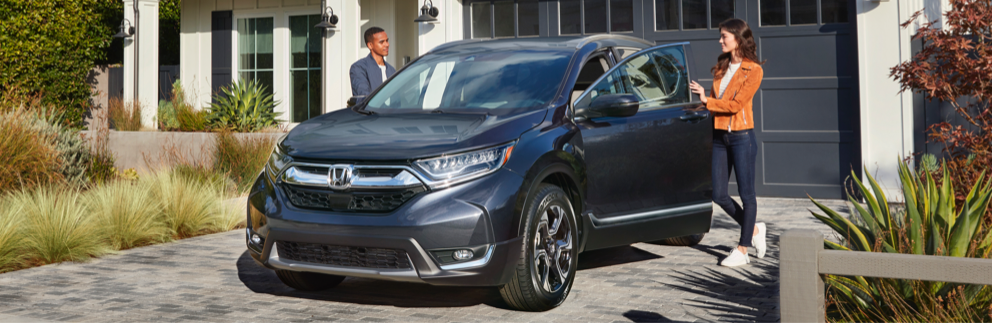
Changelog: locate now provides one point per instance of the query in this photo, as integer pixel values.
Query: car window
(656, 77)
(624, 52)
(494, 81)
(591, 70)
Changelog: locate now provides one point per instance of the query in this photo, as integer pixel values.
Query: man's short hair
(370, 33)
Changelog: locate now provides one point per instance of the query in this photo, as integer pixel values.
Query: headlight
(448, 170)
(277, 163)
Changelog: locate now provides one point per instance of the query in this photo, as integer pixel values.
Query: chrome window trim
(473, 263)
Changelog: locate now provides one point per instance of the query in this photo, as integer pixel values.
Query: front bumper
(474, 214)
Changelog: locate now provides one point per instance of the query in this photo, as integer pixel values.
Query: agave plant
(244, 106)
(930, 224)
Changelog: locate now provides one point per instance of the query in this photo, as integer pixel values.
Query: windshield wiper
(438, 111)
(365, 112)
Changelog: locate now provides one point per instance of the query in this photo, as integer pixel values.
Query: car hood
(347, 135)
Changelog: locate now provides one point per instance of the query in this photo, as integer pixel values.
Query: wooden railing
(803, 261)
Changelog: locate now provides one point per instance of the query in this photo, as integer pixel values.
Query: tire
(684, 241)
(306, 281)
(539, 284)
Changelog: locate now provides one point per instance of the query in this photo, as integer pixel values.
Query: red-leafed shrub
(955, 66)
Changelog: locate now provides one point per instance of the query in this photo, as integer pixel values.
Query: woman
(736, 78)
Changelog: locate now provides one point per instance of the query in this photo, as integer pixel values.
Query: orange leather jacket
(734, 109)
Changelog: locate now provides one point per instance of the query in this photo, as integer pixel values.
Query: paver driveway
(212, 278)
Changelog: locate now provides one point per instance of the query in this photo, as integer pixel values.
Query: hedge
(50, 46)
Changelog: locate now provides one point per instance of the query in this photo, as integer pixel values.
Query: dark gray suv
(491, 163)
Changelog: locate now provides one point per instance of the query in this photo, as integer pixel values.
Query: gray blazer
(366, 75)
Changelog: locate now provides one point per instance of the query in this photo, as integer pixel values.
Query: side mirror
(355, 100)
(614, 105)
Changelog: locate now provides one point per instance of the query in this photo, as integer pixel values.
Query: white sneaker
(736, 258)
(759, 240)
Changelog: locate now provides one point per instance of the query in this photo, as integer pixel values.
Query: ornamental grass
(124, 116)
(128, 213)
(10, 235)
(58, 227)
(242, 159)
(29, 157)
(49, 224)
(189, 207)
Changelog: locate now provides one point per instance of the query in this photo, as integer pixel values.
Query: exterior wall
(195, 44)
(887, 132)
(341, 48)
(450, 26)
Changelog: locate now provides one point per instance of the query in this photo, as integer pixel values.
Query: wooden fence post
(801, 290)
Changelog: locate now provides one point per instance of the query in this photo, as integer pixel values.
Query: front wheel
(547, 266)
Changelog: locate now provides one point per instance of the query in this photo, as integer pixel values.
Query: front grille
(363, 257)
(369, 201)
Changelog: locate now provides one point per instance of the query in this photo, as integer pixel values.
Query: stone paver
(212, 278)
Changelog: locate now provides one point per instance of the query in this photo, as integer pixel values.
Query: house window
(505, 19)
(304, 68)
(594, 16)
(255, 51)
(695, 14)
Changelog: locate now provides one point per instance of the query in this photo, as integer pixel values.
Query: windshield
(496, 82)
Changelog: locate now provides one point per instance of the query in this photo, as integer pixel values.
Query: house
(826, 105)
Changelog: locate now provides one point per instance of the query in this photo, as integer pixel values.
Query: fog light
(462, 254)
(256, 239)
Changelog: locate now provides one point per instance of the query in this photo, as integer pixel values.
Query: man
(368, 73)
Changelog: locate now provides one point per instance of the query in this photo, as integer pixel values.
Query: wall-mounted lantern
(127, 29)
(428, 13)
(328, 20)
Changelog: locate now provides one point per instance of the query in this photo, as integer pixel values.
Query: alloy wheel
(553, 249)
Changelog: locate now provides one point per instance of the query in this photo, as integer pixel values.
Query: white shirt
(383, 69)
(726, 81)
(726, 78)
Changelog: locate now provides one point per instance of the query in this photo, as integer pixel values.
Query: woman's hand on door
(697, 89)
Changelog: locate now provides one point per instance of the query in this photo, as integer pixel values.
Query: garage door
(807, 109)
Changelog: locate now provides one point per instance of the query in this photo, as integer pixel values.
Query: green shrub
(124, 116)
(49, 47)
(58, 227)
(128, 213)
(11, 256)
(244, 107)
(167, 116)
(73, 152)
(29, 158)
(242, 159)
(179, 114)
(930, 224)
(189, 208)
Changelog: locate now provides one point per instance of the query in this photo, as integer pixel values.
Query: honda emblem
(339, 177)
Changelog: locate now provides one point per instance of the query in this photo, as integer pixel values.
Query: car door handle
(692, 116)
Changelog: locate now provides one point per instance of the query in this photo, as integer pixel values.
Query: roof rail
(454, 43)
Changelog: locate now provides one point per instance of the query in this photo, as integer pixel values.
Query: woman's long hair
(746, 47)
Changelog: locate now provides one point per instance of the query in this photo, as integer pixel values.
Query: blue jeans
(736, 151)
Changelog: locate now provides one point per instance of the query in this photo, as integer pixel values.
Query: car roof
(564, 42)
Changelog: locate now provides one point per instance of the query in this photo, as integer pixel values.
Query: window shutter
(220, 49)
